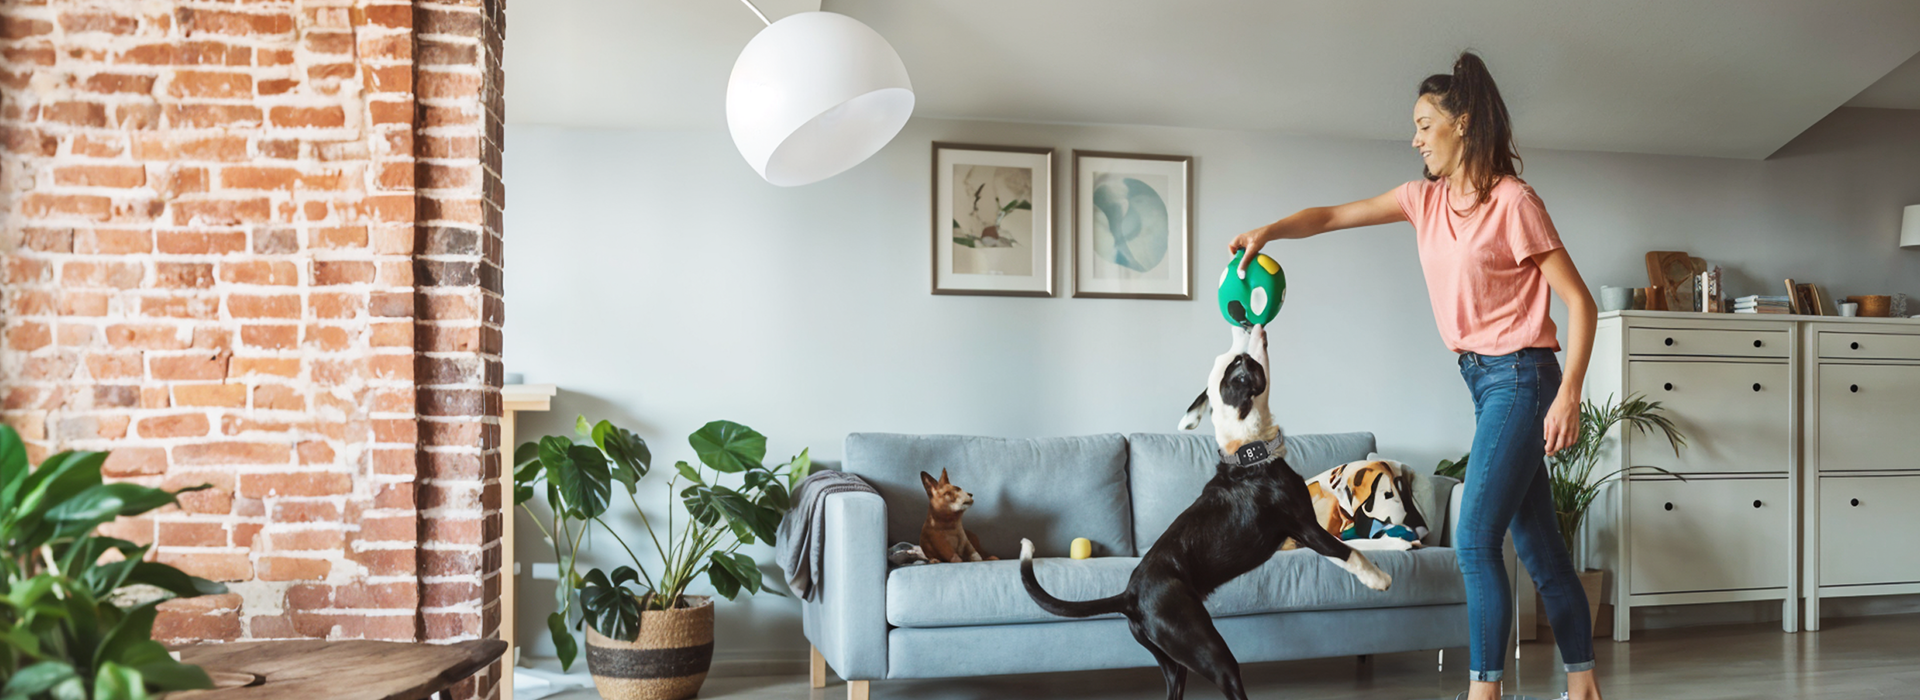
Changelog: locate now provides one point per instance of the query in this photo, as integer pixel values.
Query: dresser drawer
(1734, 415)
(1863, 522)
(1867, 415)
(1708, 343)
(1869, 346)
(1708, 535)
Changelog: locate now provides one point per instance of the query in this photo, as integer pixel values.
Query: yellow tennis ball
(1082, 548)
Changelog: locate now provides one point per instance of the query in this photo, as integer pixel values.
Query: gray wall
(662, 284)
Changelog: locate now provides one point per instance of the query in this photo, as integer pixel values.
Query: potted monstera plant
(76, 619)
(647, 638)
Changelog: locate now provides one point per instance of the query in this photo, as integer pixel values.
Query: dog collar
(1256, 454)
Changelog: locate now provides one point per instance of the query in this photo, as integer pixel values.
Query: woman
(1490, 254)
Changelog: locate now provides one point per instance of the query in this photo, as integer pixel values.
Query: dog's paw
(1395, 544)
(1379, 581)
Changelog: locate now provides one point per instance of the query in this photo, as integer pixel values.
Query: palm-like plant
(1571, 469)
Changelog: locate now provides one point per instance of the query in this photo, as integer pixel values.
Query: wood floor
(1871, 657)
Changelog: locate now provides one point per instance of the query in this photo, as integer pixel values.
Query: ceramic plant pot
(668, 662)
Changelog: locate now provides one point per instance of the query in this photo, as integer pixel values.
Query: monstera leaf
(727, 446)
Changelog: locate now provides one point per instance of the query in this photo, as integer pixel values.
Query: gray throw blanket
(800, 542)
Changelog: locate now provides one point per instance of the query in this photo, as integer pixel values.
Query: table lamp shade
(1910, 228)
(814, 94)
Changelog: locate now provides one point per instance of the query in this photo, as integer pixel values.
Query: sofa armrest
(848, 622)
(1453, 512)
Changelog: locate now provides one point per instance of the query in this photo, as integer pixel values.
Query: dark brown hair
(1469, 93)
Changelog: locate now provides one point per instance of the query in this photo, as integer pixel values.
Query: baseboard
(758, 662)
(1762, 611)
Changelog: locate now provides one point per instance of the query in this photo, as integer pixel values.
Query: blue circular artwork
(1132, 231)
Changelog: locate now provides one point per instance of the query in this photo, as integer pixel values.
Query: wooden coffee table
(344, 670)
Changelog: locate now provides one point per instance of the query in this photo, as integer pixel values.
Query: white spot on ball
(1223, 276)
(1259, 300)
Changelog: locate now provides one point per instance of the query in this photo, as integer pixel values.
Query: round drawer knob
(1855, 346)
(1855, 388)
(1756, 386)
(1669, 342)
(1756, 343)
(1855, 503)
(1669, 386)
(1669, 506)
(1756, 504)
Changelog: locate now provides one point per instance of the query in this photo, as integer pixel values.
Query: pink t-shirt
(1488, 295)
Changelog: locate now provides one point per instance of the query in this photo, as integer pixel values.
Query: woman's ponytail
(1469, 94)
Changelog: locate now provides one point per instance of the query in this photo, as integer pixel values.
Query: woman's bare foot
(1582, 686)
(1484, 690)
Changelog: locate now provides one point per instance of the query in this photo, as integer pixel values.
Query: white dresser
(1766, 403)
(1726, 533)
(1862, 459)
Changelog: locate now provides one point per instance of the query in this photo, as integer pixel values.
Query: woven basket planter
(668, 662)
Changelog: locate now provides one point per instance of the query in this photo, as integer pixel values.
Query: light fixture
(814, 94)
(1910, 228)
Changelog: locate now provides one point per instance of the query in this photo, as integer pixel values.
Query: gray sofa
(974, 619)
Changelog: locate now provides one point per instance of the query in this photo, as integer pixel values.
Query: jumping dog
(1254, 503)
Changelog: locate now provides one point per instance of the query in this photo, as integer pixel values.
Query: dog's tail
(1063, 608)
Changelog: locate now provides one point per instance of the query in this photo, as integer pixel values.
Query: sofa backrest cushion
(1049, 490)
(1167, 470)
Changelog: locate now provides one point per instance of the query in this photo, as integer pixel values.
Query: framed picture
(992, 220)
(1132, 226)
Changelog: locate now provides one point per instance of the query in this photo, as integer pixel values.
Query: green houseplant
(1574, 485)
(703, 539)
(76, 621)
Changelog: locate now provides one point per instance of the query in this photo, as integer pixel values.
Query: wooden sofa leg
(816, 668)
(857, 690)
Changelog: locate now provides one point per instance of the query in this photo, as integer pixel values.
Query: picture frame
(1152, 257)
(992, 220)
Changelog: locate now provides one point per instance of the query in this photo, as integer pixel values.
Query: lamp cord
(757, 12)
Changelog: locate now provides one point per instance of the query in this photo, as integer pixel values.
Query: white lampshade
(814, 94)
(1910, 228)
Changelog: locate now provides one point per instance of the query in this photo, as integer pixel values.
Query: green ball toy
(1256, 299)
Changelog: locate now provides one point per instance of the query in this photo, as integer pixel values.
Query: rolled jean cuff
(1582, 666)
(1491, 676)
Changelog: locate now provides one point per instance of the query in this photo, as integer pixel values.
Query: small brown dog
(942, 538)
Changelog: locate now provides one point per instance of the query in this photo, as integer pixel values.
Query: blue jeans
(1507, 489)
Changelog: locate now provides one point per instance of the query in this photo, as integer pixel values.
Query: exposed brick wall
(457, 268)
(240, 250)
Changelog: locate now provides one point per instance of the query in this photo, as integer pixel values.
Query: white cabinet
(1863, 460)
(1802, 469)
(1722, 529)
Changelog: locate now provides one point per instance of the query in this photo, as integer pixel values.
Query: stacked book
(1758, 304)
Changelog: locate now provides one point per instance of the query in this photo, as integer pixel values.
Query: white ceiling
(1900, 89)
(1730, 78)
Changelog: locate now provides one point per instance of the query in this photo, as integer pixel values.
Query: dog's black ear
(1195, 411)
(927, 482)
(1243, 380)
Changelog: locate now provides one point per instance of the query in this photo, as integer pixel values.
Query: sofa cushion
(1050, 490)
(1431, 495)
(990, 593)
(1167, 471)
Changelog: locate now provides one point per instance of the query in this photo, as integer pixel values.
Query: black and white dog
(1254, 503)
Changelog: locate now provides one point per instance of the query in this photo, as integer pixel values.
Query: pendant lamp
(814, 94)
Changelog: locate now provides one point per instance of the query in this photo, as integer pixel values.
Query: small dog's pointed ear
(927, 482)
(943, 477)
